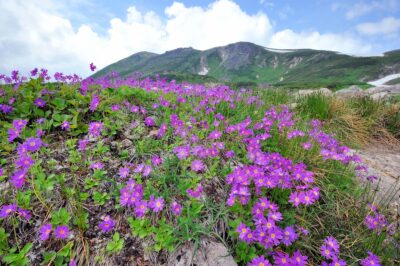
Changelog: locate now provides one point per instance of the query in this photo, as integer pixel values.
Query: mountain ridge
(252, 63)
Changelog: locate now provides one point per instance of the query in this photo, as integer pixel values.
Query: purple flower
(176, 208)
(195, 193)
(328, 252)
(18, 178)
(197, 166)
(147, 169)
(24, 162)
(182, 152)
(298, 259)
(332, 243)
(65, 125)
(92, 67)
(259, 261)
(44, 232)
(82, 144)
(123, 172)
(13, 134)
(7, 210)
(1, 171)
(156, 160)
(282, 258)
(24, 214)
(94, 103)
(39, 102)
(61, 232)
(33, 144)
(20, 124)
(371, 260)
(95, 128)
(107, 224)
(140, 208)
(289, 236)
(97, 165)
(156, 204)
(149, 122)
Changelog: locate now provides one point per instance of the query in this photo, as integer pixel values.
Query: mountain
(246, 62)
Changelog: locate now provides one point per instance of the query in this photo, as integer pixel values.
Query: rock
(390, 90)
(209, 253)
(352, 91)
(323, 91)
(126, 143)
(379, 95)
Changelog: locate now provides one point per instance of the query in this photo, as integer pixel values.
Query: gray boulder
(352, 91)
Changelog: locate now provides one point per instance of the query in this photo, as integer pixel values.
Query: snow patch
(382, 81)
(279, 50)
(203, 71)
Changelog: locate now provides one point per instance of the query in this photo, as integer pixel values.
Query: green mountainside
(245, 62)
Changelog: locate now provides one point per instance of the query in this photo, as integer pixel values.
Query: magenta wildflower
(18, 178)
(371, 260)
(107, 224)
(20, 124)
(182, 152)
(7, 210)
(332, 243)
(156, 160)
(124, 172)
(97, 165)
(176, 208)
(33, 144)
(156, 204)
(140, 208)
(149, 121)
(95, 128)
(197, 166)
(13, 134)
(282, 258)
(94, 103)
(24, 162)
(298, 259)
(82, 143)
(61, 232)
(195, 193)
(259, 261)
(289, 236)
(39, 102)
(328, 252)
(24, 214)
(65, 125)
(44, 232)
(147, 169)
(92, 67)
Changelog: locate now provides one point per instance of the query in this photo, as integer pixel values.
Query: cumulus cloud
(38, 34)
(386, 26)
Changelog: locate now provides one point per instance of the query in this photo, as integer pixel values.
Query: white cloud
(288, 39)
(386, 26)
(36, 33)
(362, 8)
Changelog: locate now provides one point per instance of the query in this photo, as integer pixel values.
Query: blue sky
(66, 35)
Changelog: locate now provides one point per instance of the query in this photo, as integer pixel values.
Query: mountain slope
(248, 62)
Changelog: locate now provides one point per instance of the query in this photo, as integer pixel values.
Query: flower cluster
(60, 232)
